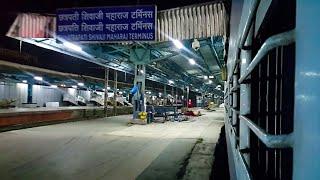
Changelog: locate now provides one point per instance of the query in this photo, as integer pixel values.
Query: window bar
(245, 94)
(234, 100)
(271, 141)
(274, 41)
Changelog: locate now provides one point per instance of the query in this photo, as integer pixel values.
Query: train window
(272, 94)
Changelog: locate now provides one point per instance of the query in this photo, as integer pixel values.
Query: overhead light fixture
(80, 84)
(205, 77)
(192, 61)
(72, 46)
(171, 82)
(197, 89)
(210, 82)
(141, 71)
(177, 43)
(74, 86)
(38, 78)
(211, 77)
(25, 81)
(54, 86)
(63, 85)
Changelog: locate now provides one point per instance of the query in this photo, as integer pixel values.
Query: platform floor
(103, 149)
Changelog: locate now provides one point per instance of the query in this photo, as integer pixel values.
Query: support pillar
(140, 57)
(176, 96)
(29, 98)
(164, 95)
(115, 92)
(188, 89)
(106, 84)
(183, 96)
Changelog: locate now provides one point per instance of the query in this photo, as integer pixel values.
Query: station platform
(46, 109)
(15, 118)
(106, 148)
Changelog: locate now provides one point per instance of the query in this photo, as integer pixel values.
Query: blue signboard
(127, 23)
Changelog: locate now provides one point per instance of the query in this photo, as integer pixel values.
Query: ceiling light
(192, 61)
(72, 46)
(211, 77)
(38, 78)
(80, 84)
(197, 89)
(171, 82)
(63, 85)
(25, 81)
(205, 77)
(141, 71)
(177, 43)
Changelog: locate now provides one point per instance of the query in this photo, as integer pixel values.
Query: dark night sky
(49, 6)
(9, 9)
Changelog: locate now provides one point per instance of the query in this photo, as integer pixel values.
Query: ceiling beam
(216, 57)
(164, 57)
(204, 60)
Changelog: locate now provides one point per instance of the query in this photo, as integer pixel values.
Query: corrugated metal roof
(196, 21)
(29, 25)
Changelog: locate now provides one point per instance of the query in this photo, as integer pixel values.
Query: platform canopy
(201, 29)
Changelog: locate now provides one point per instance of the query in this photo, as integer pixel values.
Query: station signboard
(113, 24)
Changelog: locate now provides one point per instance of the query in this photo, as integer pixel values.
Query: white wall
(43, 94)
(72, 91)
(40, 94)
(85, 94)
(14, 91)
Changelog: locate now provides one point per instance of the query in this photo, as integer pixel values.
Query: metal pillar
(106, 82)
(140, 57)
(187, 95)
(245, 96)
(183, 95)
(176, 96)
(306, 147)
(172, 94)
(115, 92)
(29, 98)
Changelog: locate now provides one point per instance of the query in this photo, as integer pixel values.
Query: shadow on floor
(220, 169)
